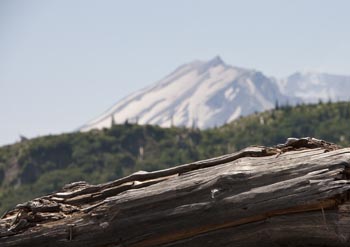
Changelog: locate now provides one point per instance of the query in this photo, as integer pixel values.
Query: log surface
(294, 194)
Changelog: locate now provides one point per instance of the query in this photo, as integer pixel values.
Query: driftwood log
(294, 194)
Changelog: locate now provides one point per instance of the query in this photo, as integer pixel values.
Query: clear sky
(64, 62)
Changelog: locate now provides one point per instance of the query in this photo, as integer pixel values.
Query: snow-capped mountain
(312, 86)
(212, 93)
(201, 94)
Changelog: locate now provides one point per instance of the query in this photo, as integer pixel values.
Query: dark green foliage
(2, 173)
(42, 165)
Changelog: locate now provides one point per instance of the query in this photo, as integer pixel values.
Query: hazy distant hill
(44, 164)
(312, 87)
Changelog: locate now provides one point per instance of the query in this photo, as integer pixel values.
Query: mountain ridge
(313, 86)
(204, 94)
(207, 94)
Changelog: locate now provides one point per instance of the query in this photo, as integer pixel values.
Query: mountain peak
(205, 65)
(215, 61)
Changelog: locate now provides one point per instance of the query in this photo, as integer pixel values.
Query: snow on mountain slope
(312, 87)
(204, 94)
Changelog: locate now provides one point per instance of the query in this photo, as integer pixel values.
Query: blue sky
(64, 62)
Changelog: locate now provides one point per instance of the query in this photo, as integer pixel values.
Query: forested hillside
(41, 165)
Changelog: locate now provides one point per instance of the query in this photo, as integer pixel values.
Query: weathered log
(295, 194)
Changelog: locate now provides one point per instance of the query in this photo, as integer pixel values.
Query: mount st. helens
(208, 94)
(200, 94)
